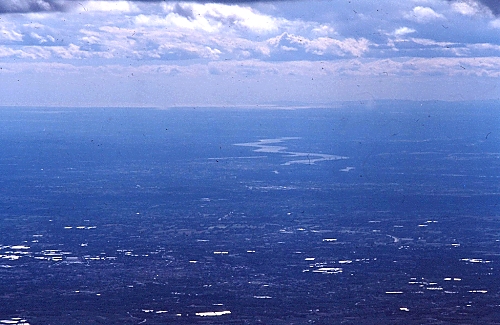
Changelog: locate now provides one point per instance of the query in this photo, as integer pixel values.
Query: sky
(246, 53)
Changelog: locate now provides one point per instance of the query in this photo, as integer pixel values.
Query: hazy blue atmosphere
(249, 162)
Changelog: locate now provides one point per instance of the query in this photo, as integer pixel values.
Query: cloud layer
(193, 30)
(26, 6)
(253, 43)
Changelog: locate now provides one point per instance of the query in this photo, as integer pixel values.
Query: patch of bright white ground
(15, 320)
(434, 288)
(10, 257)
(404, 309)
(328, 270)
(425, 224)
(347, 169)
(475, 260)
(17, 247)
(15, 252)
(213, 313)
(156, 312)
(394, 239)
(81, 227)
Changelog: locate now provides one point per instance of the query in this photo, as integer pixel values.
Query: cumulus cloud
(211, 18)
(431, 43)
(8, 33)
(107, 6)
(321, 45)
(214, 31)
(403, 31)
(466, 9)
(214, 16)
(423, 14)
(495, 23)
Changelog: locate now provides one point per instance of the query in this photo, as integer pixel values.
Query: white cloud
(212, 17)
(323, 30)
(495, 23)
(107, 6)
(8, 32)
(39, 52)
(39, 38)
(91, 37)
(199, 50)
(403, 31)
(484, 46)
(465, 8)
(241, 46)
(321, 45)
(429, 42)
(423, 14)
(176, 21)
(257, 40)
(354, 46)
(28, 52)
(289, 48)
(244, 17)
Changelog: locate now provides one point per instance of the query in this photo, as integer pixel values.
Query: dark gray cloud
(213, 1)
(492, 5)
(25, 6)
